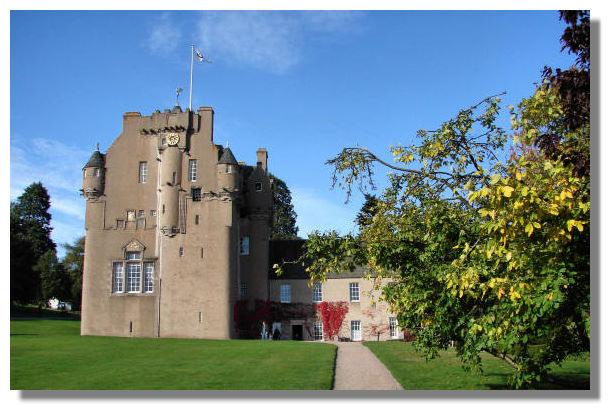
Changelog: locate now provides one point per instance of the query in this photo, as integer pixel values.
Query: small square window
(244, 248)
(258, 186)
(119, 224)
(195, 192)
(152, 212)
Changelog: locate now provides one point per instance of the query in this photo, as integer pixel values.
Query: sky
(302, 84)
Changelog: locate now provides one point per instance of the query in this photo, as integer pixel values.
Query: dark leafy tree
(572, 87)
(55, 282)
(30, 240)
(368, 210)
(23, 279)
(73, 264)
(284, 221)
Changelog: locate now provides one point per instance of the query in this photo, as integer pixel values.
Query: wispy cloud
(267, 40)
(164, 36)
(315, 212)
(58, 166)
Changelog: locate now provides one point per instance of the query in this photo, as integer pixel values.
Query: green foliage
(30, 240)
(284, 218)
(73, 265)
(493, 256)
(55, 282)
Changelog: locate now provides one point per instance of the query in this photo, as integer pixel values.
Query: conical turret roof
(227, 157)
(96, 160)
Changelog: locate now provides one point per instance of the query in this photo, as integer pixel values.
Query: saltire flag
(199, 55)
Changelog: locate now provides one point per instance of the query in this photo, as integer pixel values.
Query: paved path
(357, 368)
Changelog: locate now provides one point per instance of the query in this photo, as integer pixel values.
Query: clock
(172, 139)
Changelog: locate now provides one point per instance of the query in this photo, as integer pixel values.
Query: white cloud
(315, 212)
(164, 36)
(58, 167)
(266, 40)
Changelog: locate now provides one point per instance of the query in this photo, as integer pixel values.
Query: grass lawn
(411, 370)
(50, 354)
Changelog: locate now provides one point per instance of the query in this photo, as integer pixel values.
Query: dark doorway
(297, 332)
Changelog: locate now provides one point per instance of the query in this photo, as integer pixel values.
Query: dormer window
(229, 168)
(97, 172)
(258, 186)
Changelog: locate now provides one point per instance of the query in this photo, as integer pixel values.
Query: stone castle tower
(176, 230)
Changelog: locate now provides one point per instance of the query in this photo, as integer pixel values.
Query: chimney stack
(261, 158)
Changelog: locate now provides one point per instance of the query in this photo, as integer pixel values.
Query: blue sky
(301, 84)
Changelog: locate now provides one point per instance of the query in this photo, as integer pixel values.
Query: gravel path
(357, 368)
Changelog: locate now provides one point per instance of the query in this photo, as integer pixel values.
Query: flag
(199, 55)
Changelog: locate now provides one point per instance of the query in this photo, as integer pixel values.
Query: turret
(170, 176)
(94, 176)
(228, 171)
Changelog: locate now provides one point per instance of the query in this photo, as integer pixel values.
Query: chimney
(261, 158)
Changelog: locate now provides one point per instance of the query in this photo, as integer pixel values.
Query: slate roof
(227, 157)
(96, 160)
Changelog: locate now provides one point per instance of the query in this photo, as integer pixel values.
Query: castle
(177, 231)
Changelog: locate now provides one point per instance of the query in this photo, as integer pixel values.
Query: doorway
(297, 332)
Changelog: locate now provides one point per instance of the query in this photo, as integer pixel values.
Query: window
(141, 219)
(118, 277)
(318, 330)
(142, 171)
(174, 182)
(133, 277)
(141, 214)
(354, 291)
(393, 327)
(181, 251)
(258, 186)
(97, 172)
(229, 168)
(133, 255)
(192, 170)
(317, 292)
(244, 248)
(196, 194)
(152, 212)
(196, 219)
(285, 293)
(119, 224)
(148, 277)
(130, 215)
(355, 330)
(244, 290)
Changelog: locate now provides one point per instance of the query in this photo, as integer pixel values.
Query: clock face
(172, 139)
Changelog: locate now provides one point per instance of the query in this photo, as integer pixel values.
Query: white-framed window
(118, 277)
(142, 171)
(244, 290)
(354, 292)
(133, 255)
(148, 277)
(133, 277)
(244, 248)
(258, 186)
(318, 330)
(192, 170)
(393, 327)
(317, 292)
(285, 294)
(355, 330)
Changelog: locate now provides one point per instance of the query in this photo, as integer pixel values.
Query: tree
(491, 254)
(55, 282)
(73, 264)
(365, 215)
(284, 220)
(30, 239)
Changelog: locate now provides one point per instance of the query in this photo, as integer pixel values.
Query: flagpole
(191, 65)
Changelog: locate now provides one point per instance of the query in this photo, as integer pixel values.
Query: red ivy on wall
(332, 314)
